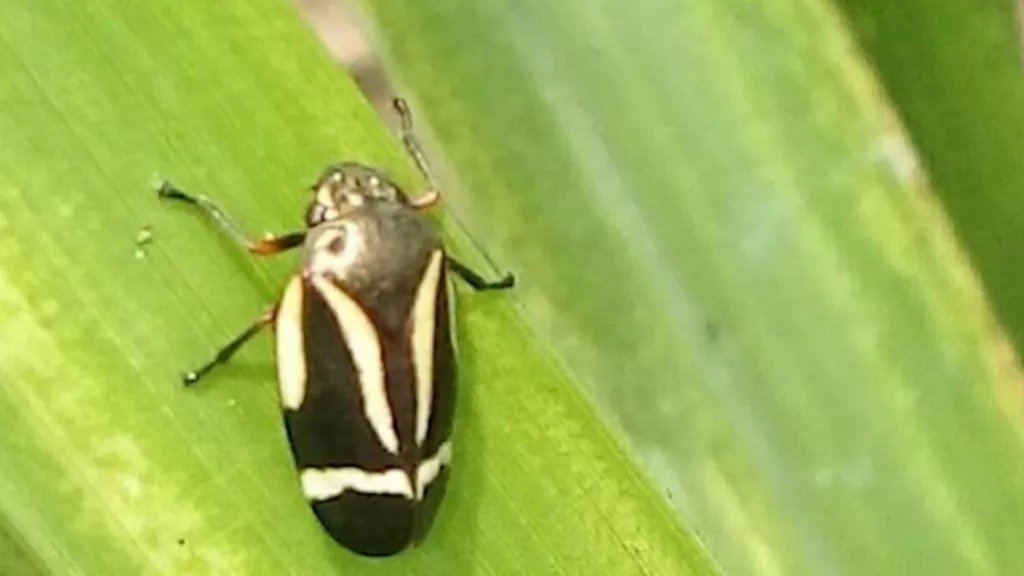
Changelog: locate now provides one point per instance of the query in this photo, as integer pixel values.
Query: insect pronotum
(365, 359)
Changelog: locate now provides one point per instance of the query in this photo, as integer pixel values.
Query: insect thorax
(377, 253)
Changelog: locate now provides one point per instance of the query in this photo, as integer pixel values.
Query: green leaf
(721, 229)
(955, 78)
(109, 466)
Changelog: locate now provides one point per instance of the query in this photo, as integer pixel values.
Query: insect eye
(385, 192)
(315, 215)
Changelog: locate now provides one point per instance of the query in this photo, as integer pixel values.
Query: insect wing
(353, 478)
(372, 455)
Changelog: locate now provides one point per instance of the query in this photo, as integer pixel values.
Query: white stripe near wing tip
(424, 318)
(320, 484)
(364, 346)
(430, 469)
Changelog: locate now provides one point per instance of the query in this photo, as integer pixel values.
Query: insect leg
(264, 246)
(412, 146)
(477, 281)
(429, 198)
(225, 353)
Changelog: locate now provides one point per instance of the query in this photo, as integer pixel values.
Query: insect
(365, 358)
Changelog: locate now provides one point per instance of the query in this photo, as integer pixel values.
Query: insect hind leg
(475, 280)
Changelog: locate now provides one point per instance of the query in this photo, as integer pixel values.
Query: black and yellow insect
(365, 360)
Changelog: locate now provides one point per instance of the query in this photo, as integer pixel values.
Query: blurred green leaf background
(765, 320)
(724, 229)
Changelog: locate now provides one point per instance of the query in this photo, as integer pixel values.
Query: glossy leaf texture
(723, 232)
(109, 466)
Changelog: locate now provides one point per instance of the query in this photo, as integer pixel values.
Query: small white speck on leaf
(132, 486)
(143, 237)
(900, 159)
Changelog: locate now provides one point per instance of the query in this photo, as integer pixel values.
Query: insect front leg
(262, 247)
(412, 145)
(475, 280)
(224, 354)
(431, 197)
